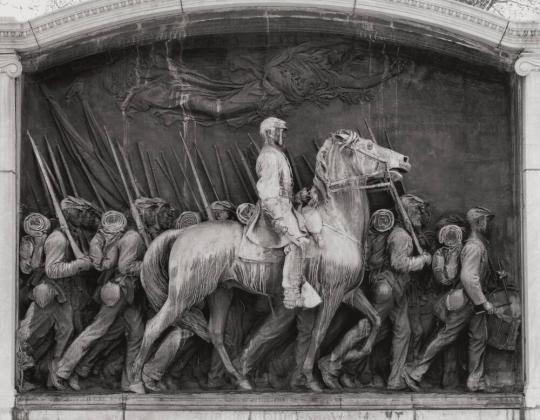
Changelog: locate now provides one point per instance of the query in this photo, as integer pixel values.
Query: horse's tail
(154, 269)
(155, 282)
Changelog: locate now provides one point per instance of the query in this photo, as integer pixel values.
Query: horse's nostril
(405, 158)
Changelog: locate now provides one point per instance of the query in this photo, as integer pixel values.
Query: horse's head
(347, 161)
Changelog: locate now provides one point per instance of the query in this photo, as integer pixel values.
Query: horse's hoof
(244, 385)
(314, 385)
(137, 388)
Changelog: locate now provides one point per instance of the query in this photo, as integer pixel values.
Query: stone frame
(56, 38)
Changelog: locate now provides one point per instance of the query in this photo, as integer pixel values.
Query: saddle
(259, 241)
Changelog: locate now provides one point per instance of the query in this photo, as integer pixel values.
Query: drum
(503, 329)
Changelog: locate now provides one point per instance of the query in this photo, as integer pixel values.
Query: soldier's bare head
(479, 219)
(81, 213)
(416, 209)
(273, 131)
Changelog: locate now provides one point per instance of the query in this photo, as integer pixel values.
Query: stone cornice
(68, 26)
(528, 63)
(10, 65)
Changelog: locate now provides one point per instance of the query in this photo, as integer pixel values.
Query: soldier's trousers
(98, 329)
(166, 353)
(397, 310)
(38, 322)
(456, 322)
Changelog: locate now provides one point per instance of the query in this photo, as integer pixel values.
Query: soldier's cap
(271, 123)
(223, 205)
(411, 200)
(113, 222)
(78, 203)
(477, 212)
(35, 224)
(146, 203)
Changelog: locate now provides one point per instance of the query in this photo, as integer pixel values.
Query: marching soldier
(276, 225)
(52, 308)
(466, 307)
(122, 252)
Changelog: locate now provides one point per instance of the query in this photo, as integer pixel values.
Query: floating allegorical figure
(466, 306)
(312, 71)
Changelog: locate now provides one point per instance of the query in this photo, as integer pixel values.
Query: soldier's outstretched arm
(399, 247)
(56, 264)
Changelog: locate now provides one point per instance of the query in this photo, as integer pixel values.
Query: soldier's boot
(297, 293)
(55, 380)
(331, 365)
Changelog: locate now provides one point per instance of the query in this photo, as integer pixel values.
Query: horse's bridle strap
(357, 183)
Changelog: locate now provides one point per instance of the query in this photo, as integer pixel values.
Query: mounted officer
(276, 224)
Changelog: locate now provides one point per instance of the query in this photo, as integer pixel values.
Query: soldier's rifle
(247, 169)
(55, 166)
(57, 209)
(239, 175)
(153, 173)
(207, 172)
(151, 186)
(133, 209)
(257, 147)
(207, 209)
(222, 174)
(127, 165)
(397, 201)
(296, 174)
(68, 172)
(310, 167)
(190, 188)
(173, 180)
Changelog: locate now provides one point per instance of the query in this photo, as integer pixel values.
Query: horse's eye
(370, 145)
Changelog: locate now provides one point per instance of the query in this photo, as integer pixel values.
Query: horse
(182, 268)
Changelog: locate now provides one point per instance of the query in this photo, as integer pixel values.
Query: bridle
(359, 182)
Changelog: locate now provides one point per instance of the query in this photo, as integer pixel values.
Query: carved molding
(98, 16)
(527, 64)
(10, 65)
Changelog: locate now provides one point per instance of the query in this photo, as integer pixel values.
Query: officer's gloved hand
(488, 306)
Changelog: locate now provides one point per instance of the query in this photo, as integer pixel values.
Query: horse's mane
(341, 138)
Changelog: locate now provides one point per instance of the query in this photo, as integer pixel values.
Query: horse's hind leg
(220, 302)
(154, 327)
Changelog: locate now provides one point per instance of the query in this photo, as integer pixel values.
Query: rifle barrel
(247, 169)
(133, 208)
(186, 180)
(310, 167)
(222, 174)
(68, 172)
(146, 170)
(257, 147)
(207, 173)
(239, 175)
(56, 167)
(173, 180)
(127, 165)
(57, 209)
(207, 209)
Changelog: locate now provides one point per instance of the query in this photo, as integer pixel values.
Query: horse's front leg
(220, 302)
(322, 322)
